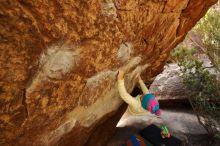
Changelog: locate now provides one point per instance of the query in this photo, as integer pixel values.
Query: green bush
(209, 30)
(203, 87)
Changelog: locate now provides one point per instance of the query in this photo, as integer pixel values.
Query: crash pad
(152, 133)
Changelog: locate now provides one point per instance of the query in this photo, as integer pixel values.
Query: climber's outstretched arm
(143, 86)
(122, 90)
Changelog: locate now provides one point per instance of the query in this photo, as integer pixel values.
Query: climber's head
(150, 103)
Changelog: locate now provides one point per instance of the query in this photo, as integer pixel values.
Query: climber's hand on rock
(120, 75)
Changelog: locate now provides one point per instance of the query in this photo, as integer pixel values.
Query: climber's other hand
(120, 75)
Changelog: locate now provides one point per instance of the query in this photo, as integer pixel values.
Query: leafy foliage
(209, 29)
(203, 85)
(204, 88)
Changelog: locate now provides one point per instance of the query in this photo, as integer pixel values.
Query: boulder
(59, 60)
(169, 89)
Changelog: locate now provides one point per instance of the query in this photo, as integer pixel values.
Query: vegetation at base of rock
(202, 82)
(204, 87)
(208, 28)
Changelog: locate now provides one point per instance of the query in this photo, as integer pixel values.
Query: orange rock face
(59, 60)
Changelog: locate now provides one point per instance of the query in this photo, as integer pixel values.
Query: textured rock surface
(58, 61)
(169, 84)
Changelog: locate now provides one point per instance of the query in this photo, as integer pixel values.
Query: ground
(182, 122)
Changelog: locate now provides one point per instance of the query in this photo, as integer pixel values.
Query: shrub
(209, 30)
(203, 87)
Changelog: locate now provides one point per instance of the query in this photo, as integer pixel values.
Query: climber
(140, 104)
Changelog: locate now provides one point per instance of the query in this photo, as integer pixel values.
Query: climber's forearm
(143, 86)
(124, 94)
